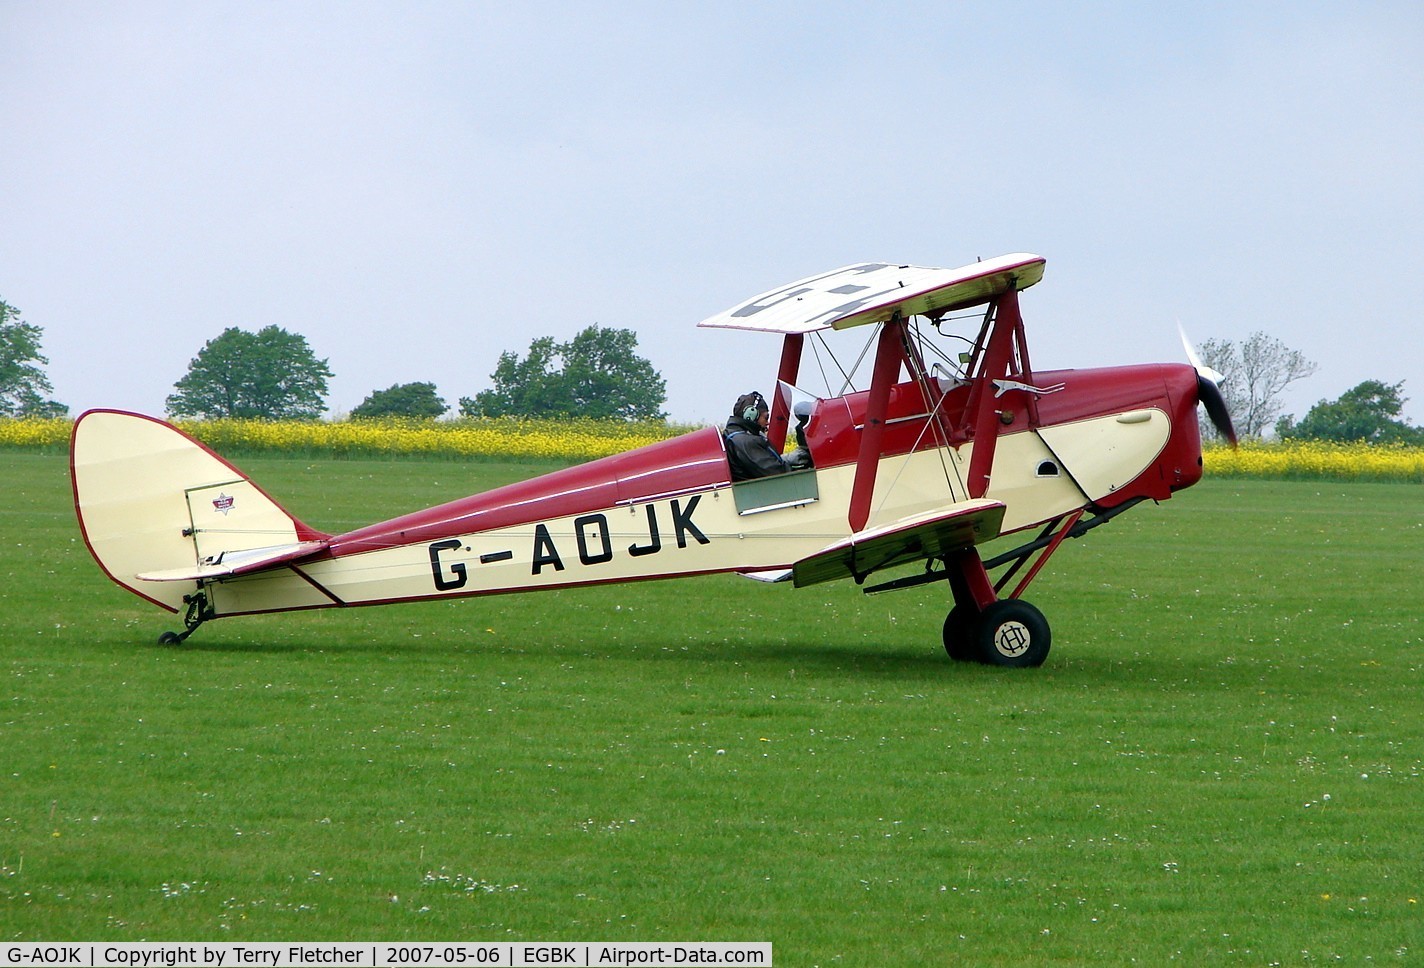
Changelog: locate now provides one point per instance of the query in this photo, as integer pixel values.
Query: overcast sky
(416, 187)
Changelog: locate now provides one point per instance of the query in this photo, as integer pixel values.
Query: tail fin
(153, 501)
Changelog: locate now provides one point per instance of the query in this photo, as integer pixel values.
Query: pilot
(749, 453)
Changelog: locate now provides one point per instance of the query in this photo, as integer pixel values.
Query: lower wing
(931, 534)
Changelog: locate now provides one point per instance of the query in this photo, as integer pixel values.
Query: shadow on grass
(897, 661)
(914, 655)
(917, 662)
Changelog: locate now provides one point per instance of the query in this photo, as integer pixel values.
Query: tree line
(273, 374)
(1255, 374)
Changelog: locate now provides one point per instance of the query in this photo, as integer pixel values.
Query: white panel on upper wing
(872, 292)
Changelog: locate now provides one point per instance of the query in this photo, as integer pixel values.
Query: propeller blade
(1210, 396)
(1195, 360)
(1209, 390)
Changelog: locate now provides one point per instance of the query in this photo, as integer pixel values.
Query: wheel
(959, 634)
(1013, 633)
(170, 638)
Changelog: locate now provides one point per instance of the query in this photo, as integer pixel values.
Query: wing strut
(1005, 348)
(889, 353)
(780, 405)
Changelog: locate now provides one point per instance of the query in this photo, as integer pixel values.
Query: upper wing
(912, 538)
(872, 292)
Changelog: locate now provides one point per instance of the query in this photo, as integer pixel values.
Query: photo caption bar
(513, 954)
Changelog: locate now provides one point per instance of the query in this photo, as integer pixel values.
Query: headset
(757, 404)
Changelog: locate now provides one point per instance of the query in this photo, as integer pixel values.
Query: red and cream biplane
(939, 454)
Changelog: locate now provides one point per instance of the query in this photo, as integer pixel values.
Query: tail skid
(161, 513)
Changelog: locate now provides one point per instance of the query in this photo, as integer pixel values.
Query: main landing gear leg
(199, 611)
(982, 627)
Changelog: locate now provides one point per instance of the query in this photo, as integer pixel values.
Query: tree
(527, 387)
(1370, 412)
(1255, 374)
(268, 375)
(417, 400)
(596, 374)
(605, 377)
(23, 383)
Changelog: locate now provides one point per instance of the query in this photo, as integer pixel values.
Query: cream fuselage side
(1038, 474)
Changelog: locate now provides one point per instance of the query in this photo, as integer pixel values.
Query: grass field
(1222, 761)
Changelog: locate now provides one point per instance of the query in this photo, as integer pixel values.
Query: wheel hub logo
(1012, 638)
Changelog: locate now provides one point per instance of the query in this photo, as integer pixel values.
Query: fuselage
(671, 509)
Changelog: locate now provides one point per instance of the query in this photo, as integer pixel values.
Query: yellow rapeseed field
(32, 433)
(1316, 460)
(569, 440)
(574, 440)
(489, 438)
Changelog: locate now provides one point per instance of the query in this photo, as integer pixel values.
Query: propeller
(1209, 391)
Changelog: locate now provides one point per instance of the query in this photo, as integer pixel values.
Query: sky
(416, 187)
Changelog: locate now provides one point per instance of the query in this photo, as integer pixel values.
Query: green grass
(1220, 763)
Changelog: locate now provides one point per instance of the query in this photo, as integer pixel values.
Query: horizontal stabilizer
(770, 577)
(913, 538)
(232, 563)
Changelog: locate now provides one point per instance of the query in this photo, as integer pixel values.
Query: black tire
(959, 640)
(170, 638)
(1012, 633)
